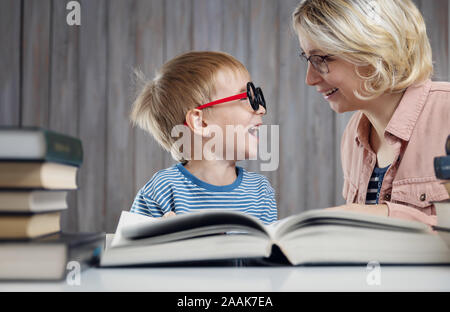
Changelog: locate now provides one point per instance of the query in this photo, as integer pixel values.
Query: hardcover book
(28, 225)
(46, 258)
(18, 201)
(442, 167)
(40, 175)
(32, 143)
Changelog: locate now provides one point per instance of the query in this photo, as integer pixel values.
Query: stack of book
(37, 169)
(442, 171)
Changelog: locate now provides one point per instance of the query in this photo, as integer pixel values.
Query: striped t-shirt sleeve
(146, 206)
(153, 200)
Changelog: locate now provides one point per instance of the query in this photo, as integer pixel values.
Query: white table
(258, 279)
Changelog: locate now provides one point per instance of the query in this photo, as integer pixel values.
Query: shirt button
(423, 197)
(387, 197)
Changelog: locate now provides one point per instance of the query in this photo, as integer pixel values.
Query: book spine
(442, 167)
(63, 149)
(447, 146)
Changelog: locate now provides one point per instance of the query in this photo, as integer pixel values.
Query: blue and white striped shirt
(176, 189)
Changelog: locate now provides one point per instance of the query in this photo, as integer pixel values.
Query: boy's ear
(194, 120)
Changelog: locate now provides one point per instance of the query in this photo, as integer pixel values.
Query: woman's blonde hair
(388, 36)
(183, 83)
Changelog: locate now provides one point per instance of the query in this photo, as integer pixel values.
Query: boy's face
(239, 116)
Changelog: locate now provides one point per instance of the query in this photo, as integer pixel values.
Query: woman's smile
(330, 93)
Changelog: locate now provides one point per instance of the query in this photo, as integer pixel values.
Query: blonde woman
(373, 57)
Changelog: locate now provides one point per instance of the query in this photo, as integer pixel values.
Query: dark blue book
(442, 167)
(39, 144)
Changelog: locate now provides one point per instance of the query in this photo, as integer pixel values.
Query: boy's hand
(169, 214)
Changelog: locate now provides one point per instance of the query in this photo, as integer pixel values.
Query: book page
(344, 218)
(126, 219)
(193, 224)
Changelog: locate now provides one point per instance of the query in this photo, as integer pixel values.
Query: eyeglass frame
(323, 57)
(259, 99)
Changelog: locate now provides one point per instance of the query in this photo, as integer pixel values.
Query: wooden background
(78, 80)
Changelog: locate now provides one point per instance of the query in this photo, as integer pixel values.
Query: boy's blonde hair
(388, 35)
(183, 83)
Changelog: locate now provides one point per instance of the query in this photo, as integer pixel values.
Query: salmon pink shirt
(417, 131)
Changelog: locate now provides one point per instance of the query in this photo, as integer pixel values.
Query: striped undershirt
(374, 188)
(176, 189)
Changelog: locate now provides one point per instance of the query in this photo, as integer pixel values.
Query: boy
(208, 92)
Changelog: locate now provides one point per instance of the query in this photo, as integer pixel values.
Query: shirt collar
(363, 131)
(404, 118)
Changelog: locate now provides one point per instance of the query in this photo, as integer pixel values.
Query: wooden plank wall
(79, 80)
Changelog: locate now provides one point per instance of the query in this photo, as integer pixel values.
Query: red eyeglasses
(254, 95)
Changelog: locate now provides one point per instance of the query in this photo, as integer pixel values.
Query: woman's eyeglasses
(317, 61)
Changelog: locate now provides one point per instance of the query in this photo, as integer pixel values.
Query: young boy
(210, 93)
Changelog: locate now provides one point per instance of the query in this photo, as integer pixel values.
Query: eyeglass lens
(319, 64)
(255, 96)
(317, 61)
(260, 96)
(251, 95)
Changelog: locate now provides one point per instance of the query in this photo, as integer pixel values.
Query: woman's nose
(313, 77)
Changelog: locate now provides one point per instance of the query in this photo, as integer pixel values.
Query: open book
(312, 237)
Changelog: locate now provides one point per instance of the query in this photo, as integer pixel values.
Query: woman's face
(341, 78)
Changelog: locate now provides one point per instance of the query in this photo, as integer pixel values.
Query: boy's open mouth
(254, 130)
